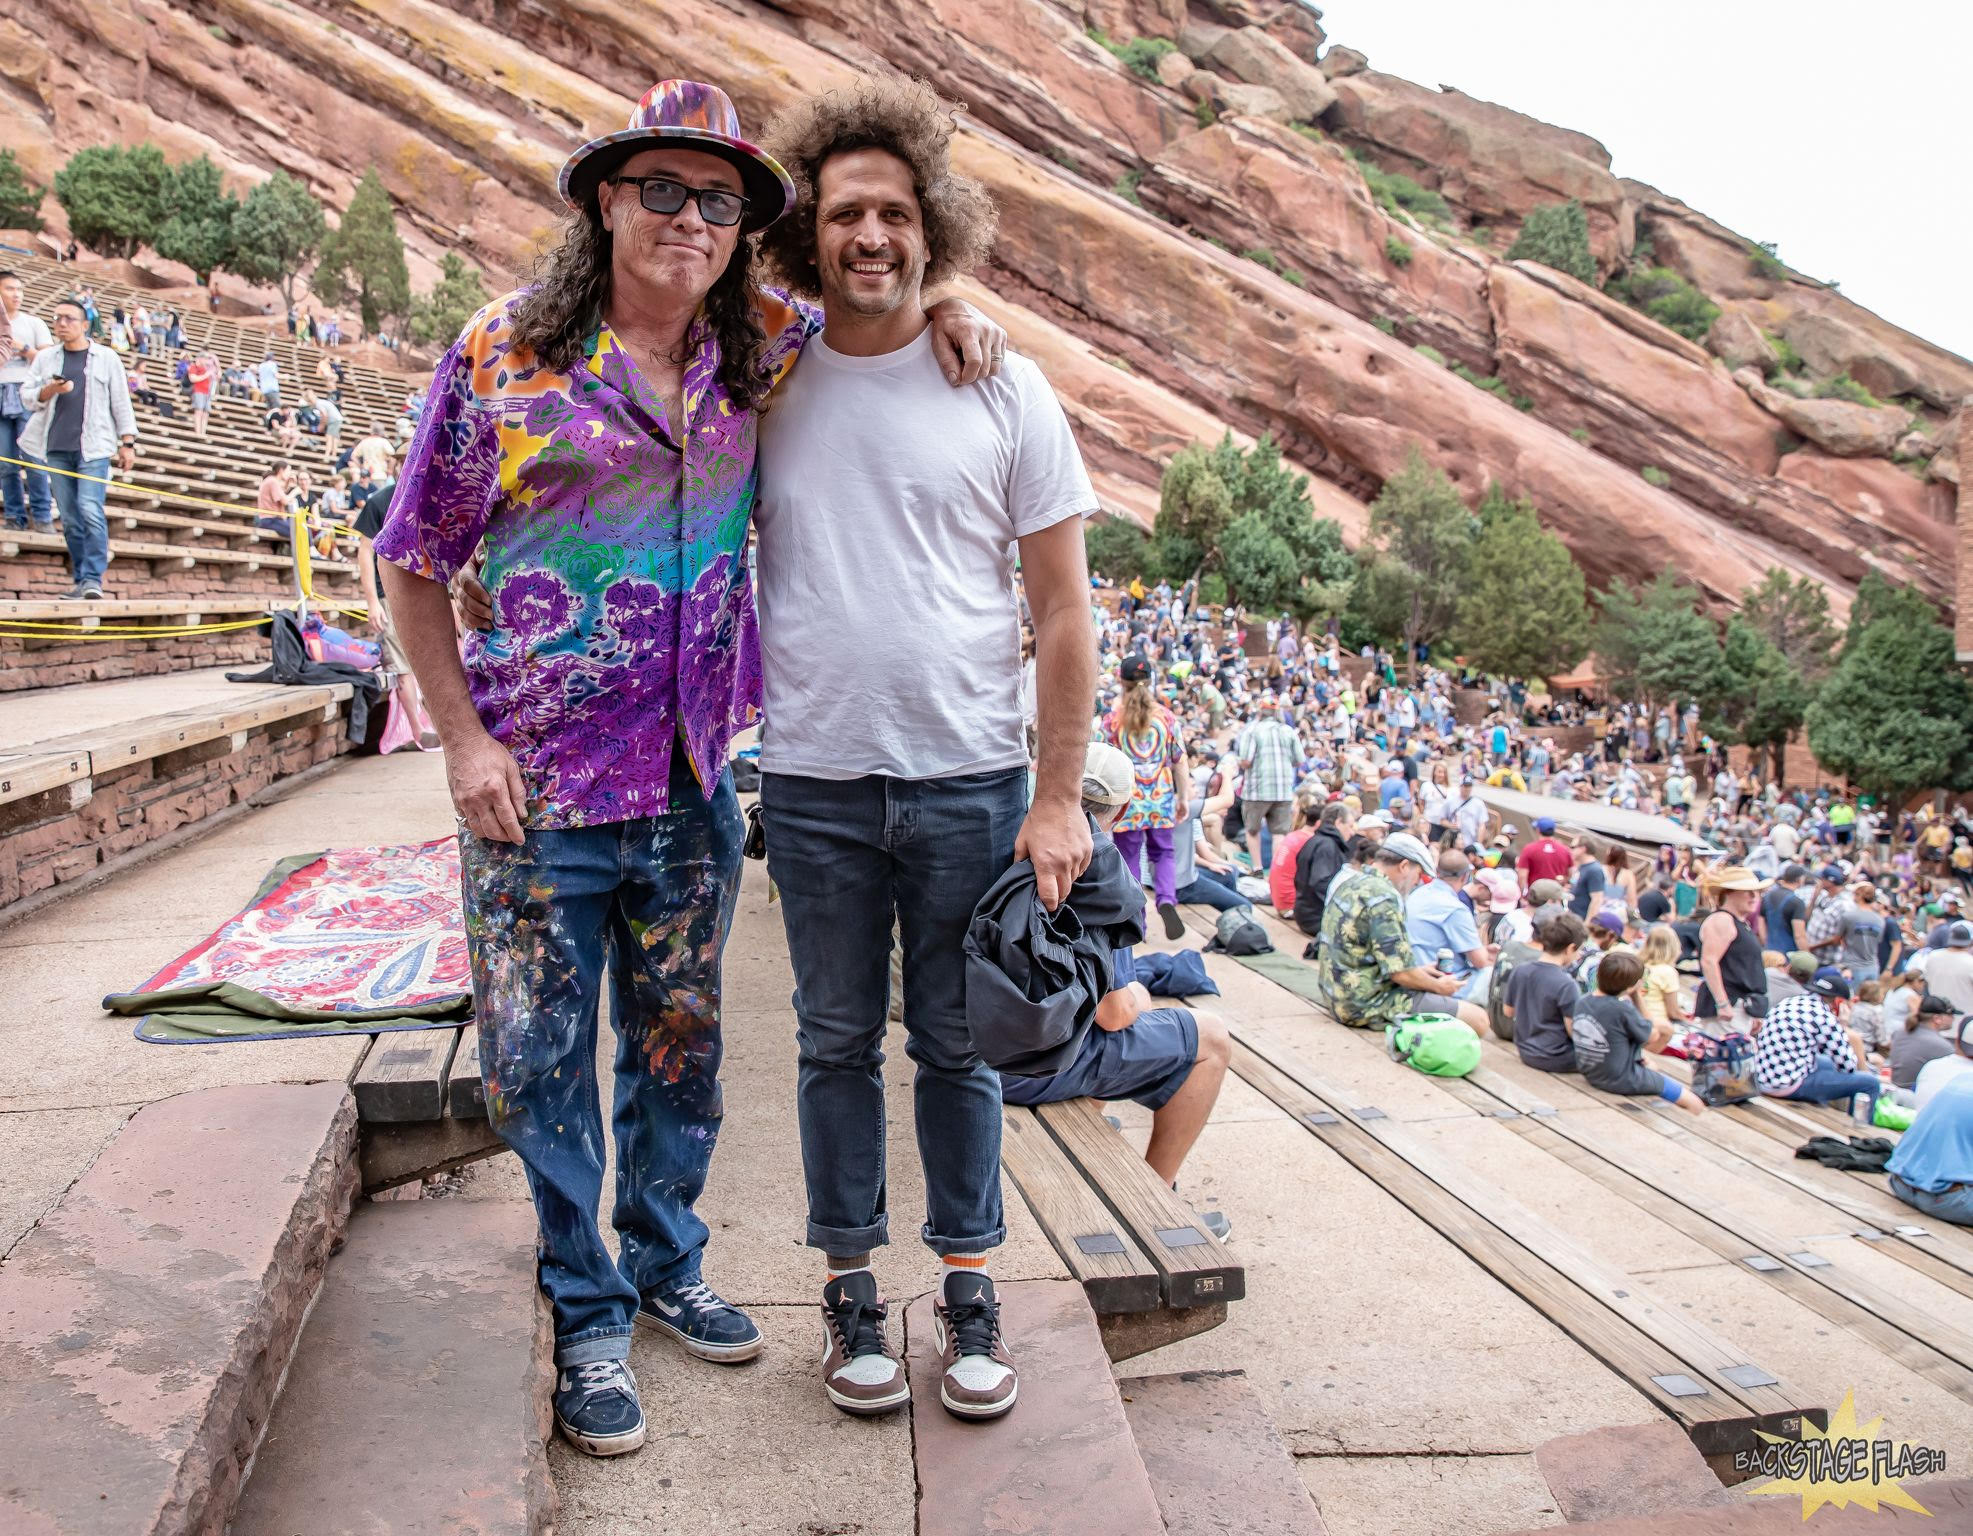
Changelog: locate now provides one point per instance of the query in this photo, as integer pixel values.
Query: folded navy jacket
(1182, 973)
(1034, 977)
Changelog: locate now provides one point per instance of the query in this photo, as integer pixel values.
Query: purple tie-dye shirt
(623, 609)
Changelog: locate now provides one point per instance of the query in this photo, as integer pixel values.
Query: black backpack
(1238, 934)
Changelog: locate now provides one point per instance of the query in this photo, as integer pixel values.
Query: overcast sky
(1840, 132)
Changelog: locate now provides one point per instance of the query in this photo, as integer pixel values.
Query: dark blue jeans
(655, 897)
(1212, 890)
(1827, 1081)
(35, 503)
(84, 524)
(849, 856)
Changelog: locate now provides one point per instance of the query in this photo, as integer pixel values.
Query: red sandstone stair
(146, 1320)
(418, 1400)
(1215, 1459)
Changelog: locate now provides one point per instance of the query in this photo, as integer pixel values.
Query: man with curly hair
(894, 768)
(591, 438)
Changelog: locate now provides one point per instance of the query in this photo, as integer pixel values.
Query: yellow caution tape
(234, 507)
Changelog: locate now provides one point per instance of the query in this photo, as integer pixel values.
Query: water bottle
(1445, 961)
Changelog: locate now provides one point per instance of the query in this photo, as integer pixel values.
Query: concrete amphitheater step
(1215, 1459)
(418, 1400)
(1062, 1463)
(146, 1320)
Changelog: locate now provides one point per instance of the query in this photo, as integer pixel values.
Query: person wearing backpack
(1610, 1035)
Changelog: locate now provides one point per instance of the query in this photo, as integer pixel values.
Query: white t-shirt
(888, 509)
(1935, 1074)
(27, 331)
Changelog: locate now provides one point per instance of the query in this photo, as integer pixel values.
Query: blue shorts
(1148, 1063)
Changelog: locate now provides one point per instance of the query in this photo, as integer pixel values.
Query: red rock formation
(466, 107)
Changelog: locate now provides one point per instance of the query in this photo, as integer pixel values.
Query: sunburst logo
(1847, 1463)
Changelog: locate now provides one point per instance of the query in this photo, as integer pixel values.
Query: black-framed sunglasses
(661, 194)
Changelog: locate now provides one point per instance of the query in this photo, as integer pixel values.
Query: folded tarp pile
(353, 941)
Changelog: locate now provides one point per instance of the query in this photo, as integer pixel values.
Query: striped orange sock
(954, 1261)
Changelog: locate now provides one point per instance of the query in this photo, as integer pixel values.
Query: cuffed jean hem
(962, 1247)
(596, 1344)
(848, 1240)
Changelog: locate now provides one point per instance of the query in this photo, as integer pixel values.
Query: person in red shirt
(1545, 858)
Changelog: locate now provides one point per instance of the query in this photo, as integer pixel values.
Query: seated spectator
(270, 506)
(1787, 975)
(1445, 930)
(1932, 1169)
(1658, 996)
(281, 422)
(1317, 861)
(1541, 996)
(1923, 1040)
(142, 390)
(1867, 1015)
(1802, 1051)
(1934, 1075)
(1170, 1060)
(1281, 873)
(1610, 1035)
(1606, 933)
(1202, 876)
(1367, 968)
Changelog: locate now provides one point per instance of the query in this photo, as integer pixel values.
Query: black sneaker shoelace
(974, 1326)
(859, 1326)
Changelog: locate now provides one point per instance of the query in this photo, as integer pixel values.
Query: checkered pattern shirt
(1795, 1032)
(1271, 753)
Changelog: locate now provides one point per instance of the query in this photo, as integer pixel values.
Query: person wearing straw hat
(1735, 981)
(591, 438)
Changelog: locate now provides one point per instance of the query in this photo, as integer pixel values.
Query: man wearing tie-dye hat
(591, 438)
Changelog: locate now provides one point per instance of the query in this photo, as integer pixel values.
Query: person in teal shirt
(1932, 1170)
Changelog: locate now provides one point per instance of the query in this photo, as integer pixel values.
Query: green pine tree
(363, 258)
(1522, 608)
(1792, 614)
(1409, 581)
(1653, 645)
(116, 198)
(199, 227)
(1758, 696)
(1117, 549)
(20, 199)
(460, 293)
(1556, 235)
(1896, 716)
(1195, 504)
(276, 233)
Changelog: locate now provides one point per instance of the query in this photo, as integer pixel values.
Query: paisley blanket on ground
(354, 940)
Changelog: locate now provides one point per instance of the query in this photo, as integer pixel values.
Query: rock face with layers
(1152, 336)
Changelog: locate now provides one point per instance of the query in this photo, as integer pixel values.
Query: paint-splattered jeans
(850, 856)
(656, 897)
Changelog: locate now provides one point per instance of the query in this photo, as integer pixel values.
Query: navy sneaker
(596, 1408)
(694, 1315)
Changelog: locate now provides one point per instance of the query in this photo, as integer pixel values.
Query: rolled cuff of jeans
(850, 1239)
(588, 1348)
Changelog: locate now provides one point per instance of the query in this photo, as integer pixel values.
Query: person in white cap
(1366, 966)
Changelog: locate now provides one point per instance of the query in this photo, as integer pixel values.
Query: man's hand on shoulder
(967, 345)
(1055, 839)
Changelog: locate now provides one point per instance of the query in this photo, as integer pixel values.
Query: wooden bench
(1152, 1272)
(420, 1105)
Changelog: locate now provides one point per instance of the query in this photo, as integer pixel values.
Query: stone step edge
(100, 1442)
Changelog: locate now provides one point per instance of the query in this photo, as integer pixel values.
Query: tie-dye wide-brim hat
(690, 115)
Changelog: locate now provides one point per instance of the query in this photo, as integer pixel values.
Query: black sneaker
(859, 1372)
(708, 1327)
(93, 592)
(596, 1408)
(1174, 924)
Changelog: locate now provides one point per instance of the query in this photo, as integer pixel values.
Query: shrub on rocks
(1556, 235)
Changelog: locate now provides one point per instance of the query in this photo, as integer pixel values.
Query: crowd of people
(1274, 767)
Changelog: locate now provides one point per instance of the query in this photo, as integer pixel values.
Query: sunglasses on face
(660, 194)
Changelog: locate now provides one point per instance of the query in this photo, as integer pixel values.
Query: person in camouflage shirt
(1366, 969)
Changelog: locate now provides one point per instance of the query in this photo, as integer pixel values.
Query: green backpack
(1433, 1043)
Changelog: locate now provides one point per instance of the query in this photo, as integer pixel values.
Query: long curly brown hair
(565, 298)
(905, 117)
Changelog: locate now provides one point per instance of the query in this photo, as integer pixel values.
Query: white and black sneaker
(596, 1408)
(859, 1372)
